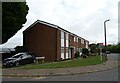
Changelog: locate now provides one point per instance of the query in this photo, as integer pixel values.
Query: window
(67, 36)
(75, 50)
(62, 52)
(67, 45)
(80, 50)
(82, 41)
(75, 39)
(79, 39)
(67, 53)
(67, 39)
(62, 34)
(62, 39)
(86, 44)
(17, 56)
(62, 49)
(62, 44)
(24, 56)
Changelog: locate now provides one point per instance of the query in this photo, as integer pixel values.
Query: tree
(114, 48)
(13, 16)
(93, 48)
(19, 49)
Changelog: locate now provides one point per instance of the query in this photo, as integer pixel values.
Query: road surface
(110, 75)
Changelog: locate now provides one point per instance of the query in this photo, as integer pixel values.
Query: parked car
(19, 59)
(107, 52)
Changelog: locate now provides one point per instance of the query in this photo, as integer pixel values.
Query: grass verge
(91, 60)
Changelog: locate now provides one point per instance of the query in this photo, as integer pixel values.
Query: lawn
(91, 60)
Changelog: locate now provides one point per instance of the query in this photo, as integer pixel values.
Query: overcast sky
(82, 17)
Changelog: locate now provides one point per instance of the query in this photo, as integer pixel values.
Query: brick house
(51, 41)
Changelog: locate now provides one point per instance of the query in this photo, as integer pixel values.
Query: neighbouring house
(52, 42)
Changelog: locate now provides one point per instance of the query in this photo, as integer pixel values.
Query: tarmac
(15, 72)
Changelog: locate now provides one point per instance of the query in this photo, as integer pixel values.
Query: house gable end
(40, 22)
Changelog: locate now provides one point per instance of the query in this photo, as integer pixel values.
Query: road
(109, 75)
(114, 56)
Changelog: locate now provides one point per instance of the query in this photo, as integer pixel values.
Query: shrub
(77, 54)
(85, 51)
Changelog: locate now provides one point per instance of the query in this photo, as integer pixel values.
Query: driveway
(114, 56)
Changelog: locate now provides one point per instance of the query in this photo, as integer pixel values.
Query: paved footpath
(110, 64)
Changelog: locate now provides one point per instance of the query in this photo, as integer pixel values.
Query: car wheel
(17, 64)
(11, 65)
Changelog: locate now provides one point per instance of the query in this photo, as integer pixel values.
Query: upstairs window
(67, 36)
(86, 44)
(62, 35)
(82, 41)
(75, 39)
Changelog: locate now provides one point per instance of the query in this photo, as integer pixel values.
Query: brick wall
(41, 40)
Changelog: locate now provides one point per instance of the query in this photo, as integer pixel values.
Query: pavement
(109, 64)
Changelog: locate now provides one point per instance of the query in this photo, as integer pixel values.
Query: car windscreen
(17, 56)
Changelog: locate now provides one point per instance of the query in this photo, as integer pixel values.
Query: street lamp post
(105, 35)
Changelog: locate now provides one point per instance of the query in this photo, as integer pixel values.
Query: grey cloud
(82, 17)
